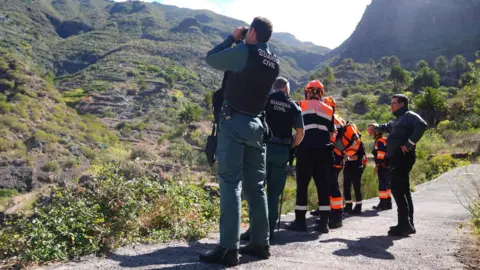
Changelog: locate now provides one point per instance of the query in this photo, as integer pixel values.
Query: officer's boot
(259, 251)
(321, 225)
(389, 203)
(245, 235)
(220, 255)
(357, 210)
(299, 224)
(336, 217)
(348, 208)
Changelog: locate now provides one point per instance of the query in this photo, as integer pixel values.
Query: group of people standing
(255, 141)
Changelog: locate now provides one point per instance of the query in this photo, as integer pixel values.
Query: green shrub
(112, 213)
(443, 163)
(88, 152)
(5, 144)
(44, 137)
(51, 166)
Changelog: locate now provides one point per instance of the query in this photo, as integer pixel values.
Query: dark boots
(262, 252)
(315, 212)
(348, 208)
(389, 203)
(336, 217)
(321, 225)
(402, 229)
(384, 204)
(299, 224)
(245, 236)
(357, 210)
(220, 255)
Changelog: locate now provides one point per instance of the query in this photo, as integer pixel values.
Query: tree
(399, 76)
(393, 61)
(468, 78)
(348, 63)
(458, 64)
(422, 64)
(441, 65)
(371, 62)
(432, 106)
(328, 77)
(379, 69)
(426, 78)
(385, 61)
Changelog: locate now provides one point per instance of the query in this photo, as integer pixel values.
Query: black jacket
(406, 129)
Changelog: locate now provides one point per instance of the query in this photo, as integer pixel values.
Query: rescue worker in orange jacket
(336, 200)
(314, 157)
(381, 169)
(349, 139)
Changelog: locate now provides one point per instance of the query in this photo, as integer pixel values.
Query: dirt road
(362, 243)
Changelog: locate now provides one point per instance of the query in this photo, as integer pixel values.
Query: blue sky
(323, 22)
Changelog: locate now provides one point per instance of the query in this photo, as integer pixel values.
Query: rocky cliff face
(414, 30)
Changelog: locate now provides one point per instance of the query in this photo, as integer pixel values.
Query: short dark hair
(263, 27)
(401, 98)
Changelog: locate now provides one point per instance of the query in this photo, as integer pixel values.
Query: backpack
(348, 139)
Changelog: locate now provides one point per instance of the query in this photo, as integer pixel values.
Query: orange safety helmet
(315, 87)
(330, 101)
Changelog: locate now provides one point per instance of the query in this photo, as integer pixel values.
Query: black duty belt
(280, 141)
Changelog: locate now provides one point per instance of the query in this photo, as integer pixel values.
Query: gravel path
(362, 243)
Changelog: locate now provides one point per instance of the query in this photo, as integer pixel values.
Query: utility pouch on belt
(211, 146)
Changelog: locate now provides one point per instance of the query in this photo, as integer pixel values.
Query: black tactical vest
(281, 112)
(247, 90)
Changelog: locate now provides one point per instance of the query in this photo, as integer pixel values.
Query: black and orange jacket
(380, 151)
(318, 121)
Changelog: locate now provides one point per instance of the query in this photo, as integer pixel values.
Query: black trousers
(316, 163)
(400, 168)
(352, 175)
(383, 183)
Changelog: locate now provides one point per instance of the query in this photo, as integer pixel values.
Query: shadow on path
(372, 247)
(173, 258)
(365, 213)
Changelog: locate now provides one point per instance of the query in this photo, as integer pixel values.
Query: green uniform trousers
(241, 155)
(277, 159)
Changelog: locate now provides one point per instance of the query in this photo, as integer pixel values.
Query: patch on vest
(280, 106)
(269, 60)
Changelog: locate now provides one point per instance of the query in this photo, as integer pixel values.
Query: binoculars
(244, 32)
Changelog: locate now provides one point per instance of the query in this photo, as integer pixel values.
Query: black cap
(280, 83)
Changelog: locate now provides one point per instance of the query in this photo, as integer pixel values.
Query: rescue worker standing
(314, 157)
(240, 151)
(336, 200)
(404, 133)
(355, 162)
(282, 115)
(380, 157)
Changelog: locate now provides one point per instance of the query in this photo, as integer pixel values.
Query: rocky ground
(362, 243)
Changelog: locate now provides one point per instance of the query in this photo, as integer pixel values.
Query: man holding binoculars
(241, 151)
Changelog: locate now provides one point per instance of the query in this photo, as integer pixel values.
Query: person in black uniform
(282, 114)
(405, 131)
(314, 157)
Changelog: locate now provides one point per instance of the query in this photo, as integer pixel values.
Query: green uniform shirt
(225, 58)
